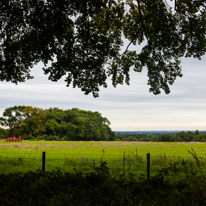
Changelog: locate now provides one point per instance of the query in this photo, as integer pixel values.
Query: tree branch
(141, 19)
(132, 41)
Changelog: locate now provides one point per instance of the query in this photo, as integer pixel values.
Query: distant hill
(154, 132)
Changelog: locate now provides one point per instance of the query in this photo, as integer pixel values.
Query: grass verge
(100, 188)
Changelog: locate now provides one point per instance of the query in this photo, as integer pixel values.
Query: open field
(177, 176)
(83, 156)
(96, 148)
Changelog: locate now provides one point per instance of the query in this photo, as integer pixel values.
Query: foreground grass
(84, 178)
(121, 157)
(99, 188)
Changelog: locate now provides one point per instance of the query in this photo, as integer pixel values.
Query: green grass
(178, 176)
(71, 156)
(110, 148)
(99, 188)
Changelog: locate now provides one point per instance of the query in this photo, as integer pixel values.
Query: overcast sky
(128, 108)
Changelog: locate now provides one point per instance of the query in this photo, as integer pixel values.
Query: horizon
(155, 130)
(158, 131)
(128, 107)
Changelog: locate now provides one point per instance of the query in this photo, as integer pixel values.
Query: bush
(32, 138)
(98, 188)
(2, 136)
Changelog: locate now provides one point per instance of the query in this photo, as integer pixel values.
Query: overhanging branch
(132, 40)
(141, 19)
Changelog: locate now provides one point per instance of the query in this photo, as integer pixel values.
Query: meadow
(80, 156)
(114, 171)
(96, 147)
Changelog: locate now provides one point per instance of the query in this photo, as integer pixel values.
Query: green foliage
(84, 36)
(57, 188)
(102, 169)
(51, 126)
(58, 124)
(166, 137)
(12, 117)
(34, 122)
(3, 133)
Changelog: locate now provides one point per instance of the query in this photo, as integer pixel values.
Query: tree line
(55, 124)
(34, 123)
(166, 137)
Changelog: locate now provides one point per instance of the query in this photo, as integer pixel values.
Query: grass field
(177, 176)
(112, 148)
(83, 156)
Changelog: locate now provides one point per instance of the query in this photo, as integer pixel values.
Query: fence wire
(117, 164)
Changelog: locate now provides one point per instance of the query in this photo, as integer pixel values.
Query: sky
(128, 108)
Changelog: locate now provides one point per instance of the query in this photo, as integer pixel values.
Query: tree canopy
(55, 124)
(163, 137)
(81, 40)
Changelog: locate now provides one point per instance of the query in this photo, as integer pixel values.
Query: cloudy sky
(128, 108)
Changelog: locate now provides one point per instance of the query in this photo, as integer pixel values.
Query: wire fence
(147, 166)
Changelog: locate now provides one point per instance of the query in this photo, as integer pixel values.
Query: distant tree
(111, 134)
(58, 124)
(145, 139)
(76, 124)
(190, 135)
(152, 137)
(183, 136)
(202, 137)
(197, 132)
(3, 133)
(56, 114)
(196, 138)
(12, 116)
(118, 137)
(34, 121)
(103, 124)
(177, 139)
(167, 137)
(51, 127)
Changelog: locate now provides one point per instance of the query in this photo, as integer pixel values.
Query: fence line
(136, 163)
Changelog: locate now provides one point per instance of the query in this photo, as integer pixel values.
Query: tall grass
(173, 168)
(102, 179)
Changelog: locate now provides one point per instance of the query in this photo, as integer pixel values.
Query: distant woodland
(55, 124)
(166, 137)
(34, 123)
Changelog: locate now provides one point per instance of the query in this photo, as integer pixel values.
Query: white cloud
(127, 107)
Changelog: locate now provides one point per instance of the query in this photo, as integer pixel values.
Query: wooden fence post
(43, 160)
(148, 166)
